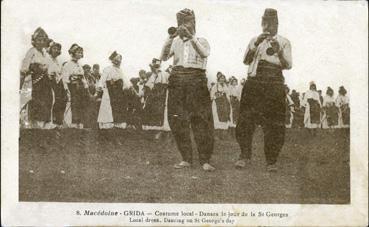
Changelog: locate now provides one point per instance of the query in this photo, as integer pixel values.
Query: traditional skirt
(314, 111)
(332, 116)
(223, 108)
(92, 110)
(41, 103)
(60, 102)
(118, 101)
(134, 116)
(345, 111)
(155, 105)
(235, 104)
(79, 100)
(298, 118)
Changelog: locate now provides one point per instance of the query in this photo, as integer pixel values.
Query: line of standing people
(70, 95)
(311, 110)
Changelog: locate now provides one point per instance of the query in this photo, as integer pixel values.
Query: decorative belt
(75, 78)
(114, 82)
(268, 72)
(38, 79)
(183, 70)
(268, 66)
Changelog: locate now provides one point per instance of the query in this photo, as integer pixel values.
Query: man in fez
(263, 96)
(189, 104)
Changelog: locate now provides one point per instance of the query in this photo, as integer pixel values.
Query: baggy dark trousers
(263, 102)
(189, 107)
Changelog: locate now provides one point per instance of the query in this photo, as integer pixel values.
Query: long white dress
(290, 104)
(340, 101)
(222, 89)
(327, 100)
(234, 90)
(105, 116)
(310, 95)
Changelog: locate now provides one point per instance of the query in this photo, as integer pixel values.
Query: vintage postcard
(184, 113)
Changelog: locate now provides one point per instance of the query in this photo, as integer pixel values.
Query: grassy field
(116, 165)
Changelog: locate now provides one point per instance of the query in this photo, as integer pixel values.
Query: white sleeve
(65, 75)
(104, 76)
(290, 102)
(250, 48)
(27, 61)
(212, 92)
(151, 81)
(126, 82)
(287, 54)
(167, 50)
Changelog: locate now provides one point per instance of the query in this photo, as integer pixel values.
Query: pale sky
(327, 37)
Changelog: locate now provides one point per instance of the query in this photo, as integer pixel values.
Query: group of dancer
(309, 110)
(312, 110)
(141, 102)
(56, 95)
(178, 98)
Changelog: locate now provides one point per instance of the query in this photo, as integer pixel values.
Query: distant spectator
(330, 110)
(312, 105)
(343, 103)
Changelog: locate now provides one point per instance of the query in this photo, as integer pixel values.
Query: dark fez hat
(185, 15)
(270, 15)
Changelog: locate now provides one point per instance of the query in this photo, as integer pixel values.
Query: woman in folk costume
(142, 88)
(91, 80)
(155, 104)
(60, 96)
(312, 106)
(298, 114)
(220, 95)
(113, 108)
(92, 105)
(96, 72)
(235, 96)
(35, 64)
(330, 110)
(135, 104)
(343, 103)
(76, 86)
(289, 108)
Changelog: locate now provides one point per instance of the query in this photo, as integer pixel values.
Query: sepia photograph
(186, 102)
